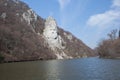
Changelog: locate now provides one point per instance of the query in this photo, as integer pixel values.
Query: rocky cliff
(26, 36)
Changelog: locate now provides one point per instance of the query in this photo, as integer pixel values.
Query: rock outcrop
(53, 38)
(26, 36)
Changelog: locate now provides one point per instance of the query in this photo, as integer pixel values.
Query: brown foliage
(110, 48)
(20, 41)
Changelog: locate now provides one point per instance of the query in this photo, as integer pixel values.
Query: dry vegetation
(22, 42)
(110, 48)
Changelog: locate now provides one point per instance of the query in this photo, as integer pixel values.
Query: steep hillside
(26, 36)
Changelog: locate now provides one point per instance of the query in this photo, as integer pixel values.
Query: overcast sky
(88, 20)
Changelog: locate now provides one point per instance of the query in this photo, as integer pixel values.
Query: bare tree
(119, 33)
(110, 48)
(113, 34)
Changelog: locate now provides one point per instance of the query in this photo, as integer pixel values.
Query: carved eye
(55, 38)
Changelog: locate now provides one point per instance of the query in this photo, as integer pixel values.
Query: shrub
(1, 58)
(110, 48)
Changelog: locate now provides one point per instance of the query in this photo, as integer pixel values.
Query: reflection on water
(78, 69)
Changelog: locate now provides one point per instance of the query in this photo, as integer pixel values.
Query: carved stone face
(51, 33)
(50, 30)
(51, 23)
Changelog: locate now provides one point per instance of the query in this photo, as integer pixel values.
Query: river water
(76, 69)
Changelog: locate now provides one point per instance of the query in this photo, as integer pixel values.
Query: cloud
(102, 23)
(63, 3)
(116, 3)
(104, 19)
(108, 18)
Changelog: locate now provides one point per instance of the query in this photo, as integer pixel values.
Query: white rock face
(53, 39)
(17, 14)
(29, 16)
(51, 34)
(69, 36)
(16, 1)
(3, 15)
(5, 4)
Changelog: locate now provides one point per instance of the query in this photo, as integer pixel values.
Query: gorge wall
(24, 35)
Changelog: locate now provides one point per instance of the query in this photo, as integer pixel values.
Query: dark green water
(77, 69)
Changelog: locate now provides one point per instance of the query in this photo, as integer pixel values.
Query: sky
(88, 20)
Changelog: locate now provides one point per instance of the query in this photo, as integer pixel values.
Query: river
(76, 69)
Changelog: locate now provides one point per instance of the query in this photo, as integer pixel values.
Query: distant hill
(26, 36)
